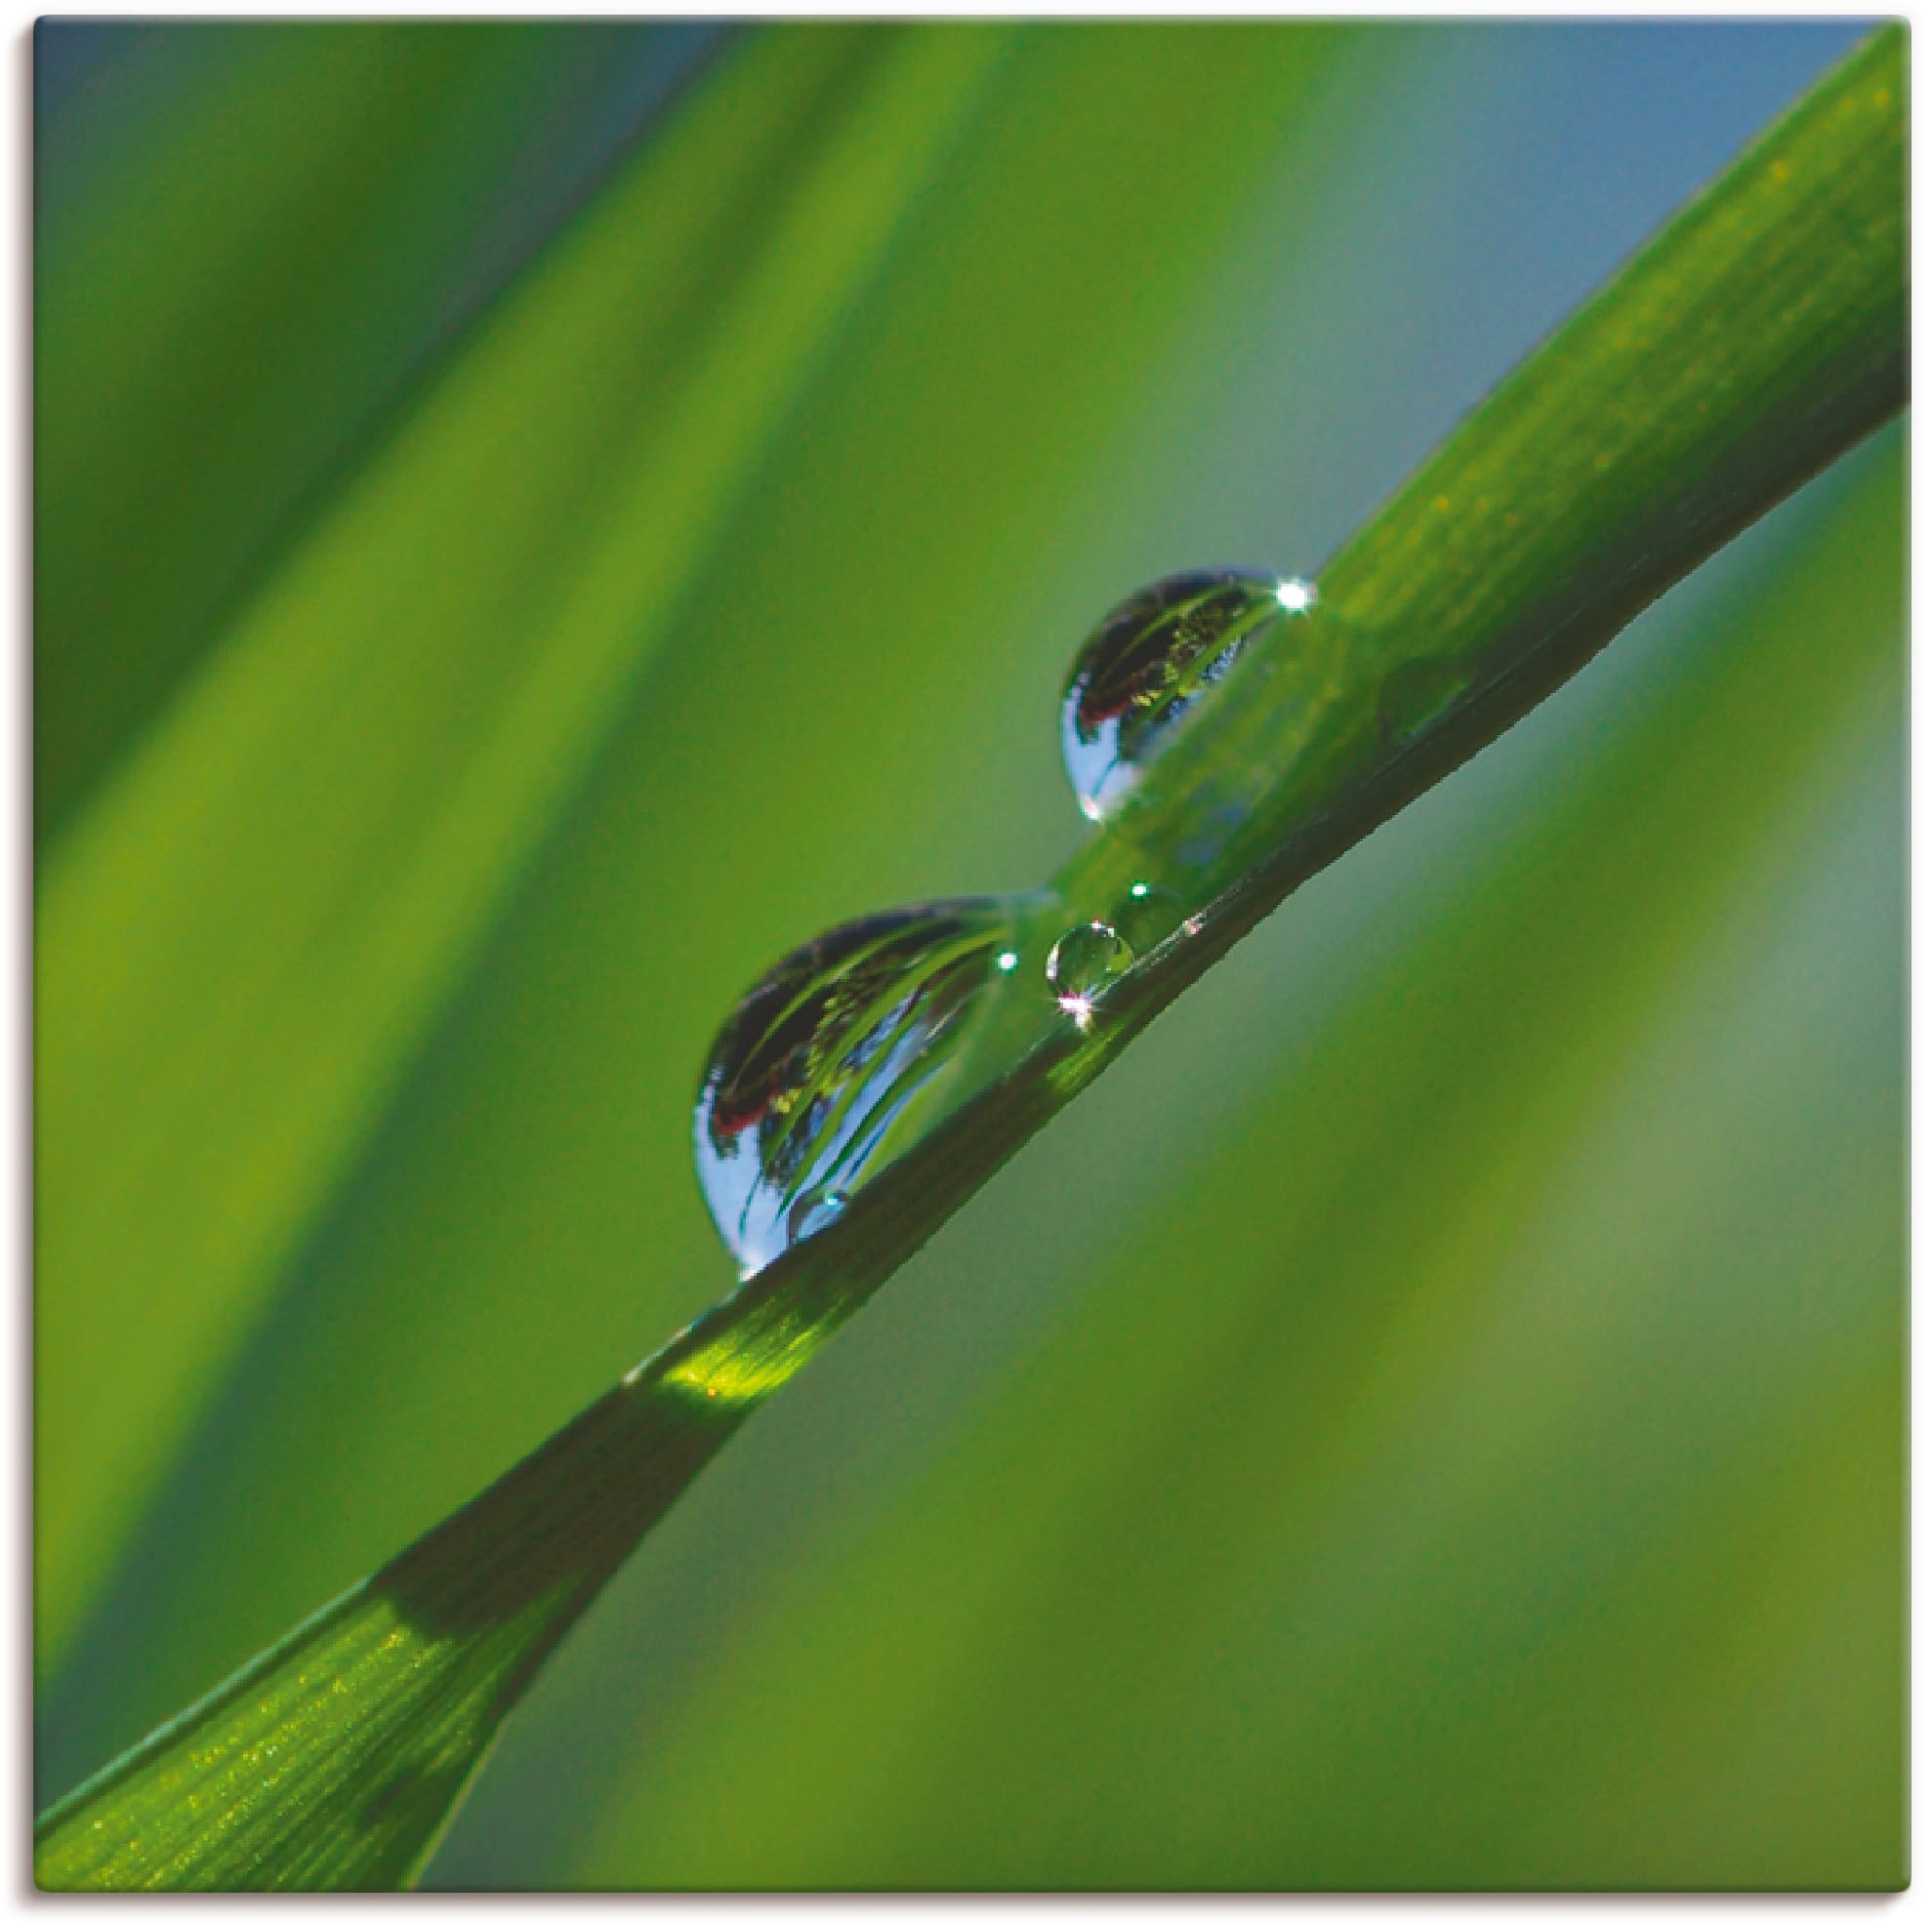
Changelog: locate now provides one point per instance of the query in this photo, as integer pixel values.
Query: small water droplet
(837, 1060)
(1146, 916)
(1083, 961)
(1414, 695)
(1148, 665)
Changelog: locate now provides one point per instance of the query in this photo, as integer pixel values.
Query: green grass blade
(1755, 339)
(1214, 1510)
(335, 1759)
(1776, 303)
(1783, 381)
(552, 1095)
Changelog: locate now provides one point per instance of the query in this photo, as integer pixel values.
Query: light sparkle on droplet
(1296, 595)
(1081, 963)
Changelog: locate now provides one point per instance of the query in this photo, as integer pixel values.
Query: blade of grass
(335, 1760)
(1757, 337)
(1730, 360)
(551, 1097)
(1271, 1344)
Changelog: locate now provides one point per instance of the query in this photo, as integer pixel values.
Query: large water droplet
(1414, 695)
(1083, 961)
(837, 1061)
(1148, 665)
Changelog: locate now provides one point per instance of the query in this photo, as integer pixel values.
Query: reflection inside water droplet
(1081, 963)
(812, 1211)
(1150, 663)
(837, 1061)
(1413, 695)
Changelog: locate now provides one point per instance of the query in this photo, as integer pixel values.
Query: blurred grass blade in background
(1777, 303)
(292, 869)
(216, 342)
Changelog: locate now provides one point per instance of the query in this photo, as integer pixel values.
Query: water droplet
(837, 1060)
(1083, 961)
(1414, 695)
(1146, 916)
(1149, 663)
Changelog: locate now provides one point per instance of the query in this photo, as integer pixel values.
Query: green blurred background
(532, 521)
